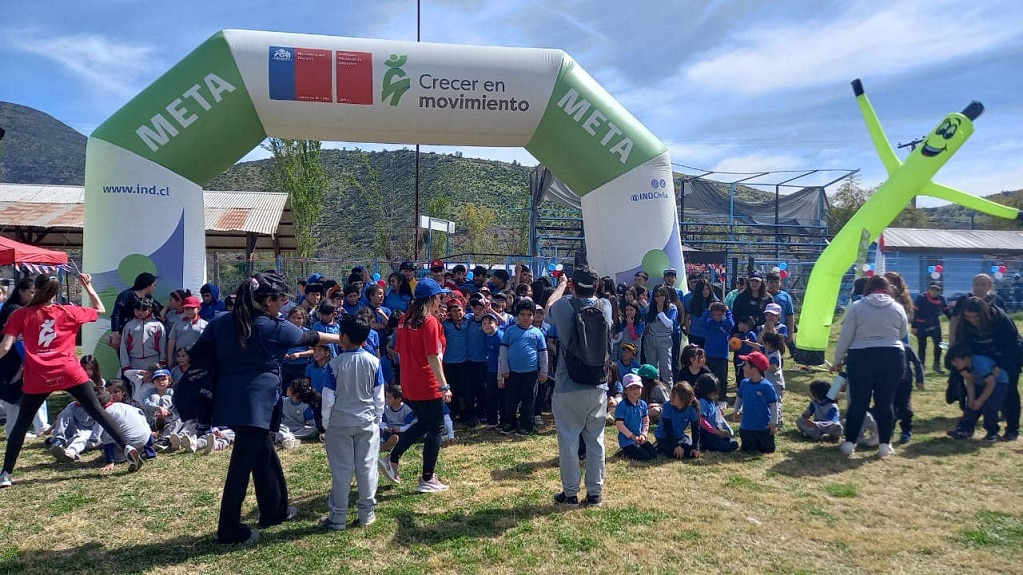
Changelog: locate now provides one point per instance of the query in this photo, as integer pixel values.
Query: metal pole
(415, 222)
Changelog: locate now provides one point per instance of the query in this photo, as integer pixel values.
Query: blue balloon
(468, 276)
(871, 266)
(994, 269)
(551, 267)
(931, 269)
(783, 266)
(376, 277)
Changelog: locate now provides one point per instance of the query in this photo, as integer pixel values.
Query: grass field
(937, 506)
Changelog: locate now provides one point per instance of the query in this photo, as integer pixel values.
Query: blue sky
(733, 86)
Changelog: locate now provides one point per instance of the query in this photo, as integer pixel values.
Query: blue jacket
(247, 381)
(494, 350)
(210, 311)
(457, 337)
(476, 344)
(717, 333)
(674, 421)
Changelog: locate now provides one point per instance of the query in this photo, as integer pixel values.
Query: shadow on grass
(939, 424)
(821, 461)
(939, 447)
(430, 529)
(524, 469)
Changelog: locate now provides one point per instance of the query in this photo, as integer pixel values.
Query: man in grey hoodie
(870, 346)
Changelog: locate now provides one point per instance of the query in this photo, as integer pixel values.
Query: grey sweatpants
(580, 413)
(658, 352)
(817, 431)
(352, 450)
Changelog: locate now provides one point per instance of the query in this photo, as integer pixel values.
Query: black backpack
(588, 349)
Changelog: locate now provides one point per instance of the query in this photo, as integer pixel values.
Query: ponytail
(417, 312)
(47, 287)
(250, 301)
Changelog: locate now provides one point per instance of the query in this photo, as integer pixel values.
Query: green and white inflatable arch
(146, 165)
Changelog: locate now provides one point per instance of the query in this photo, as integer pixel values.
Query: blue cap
(670, 272)
(427, 287)
(162, 372)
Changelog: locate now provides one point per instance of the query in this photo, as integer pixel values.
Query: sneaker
(594, 500)
(433, 485)
(162, 445)
(175, 441)
(389, 468)
(847, 448)
(69, 456)
(6, 480)
(537, 420)
(522, 432)
(292, 513)
(507, 429)
(906, 437)
(327, 523)
(390, 443)
(368, 520)
(566, 500)
(57, 451)
(290, 443)
(938, 370)
(992, 437)
(885, 450)
(253, 536)
(211, 442)
(872, 441)
(960, 434)
(134, 461)
(1010, 436)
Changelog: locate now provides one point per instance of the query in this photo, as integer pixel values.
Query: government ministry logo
(395, 84)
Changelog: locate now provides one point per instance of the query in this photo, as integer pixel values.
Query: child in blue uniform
(986, 387)
(682, 411)
(633, 421)
(821, 421)
(756, 406)
(522, 366)
(715, 433)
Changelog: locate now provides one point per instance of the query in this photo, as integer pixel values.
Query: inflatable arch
(906, 180)
(145, 166)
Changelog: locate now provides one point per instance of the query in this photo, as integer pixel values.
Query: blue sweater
(674, 422)
(494, 349)
(476, 344)
(717, 334)
(457, 336)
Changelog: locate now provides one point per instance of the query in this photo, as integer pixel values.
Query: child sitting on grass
(980, 373)
(297, 419)
(74, 432)
(756, 406)
(821, 421)
(715, 433)
(655, 393)
(132, 423)
(681, 412)
(398, 417)
(353, 406)
(633, 421)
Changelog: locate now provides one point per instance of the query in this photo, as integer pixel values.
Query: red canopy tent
(17, 253)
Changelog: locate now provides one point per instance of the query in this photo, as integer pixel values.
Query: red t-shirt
(49, 337)
(413, 346)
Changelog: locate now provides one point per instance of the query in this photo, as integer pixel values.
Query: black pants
(711, 442)
(429, 424)
(719, 367)
(84, 393)
(644, 452)
(474, 405)
(520, 388)
(454, 373)
(252, 455)
(874, 373)
(757, 441)
(902, 405)
(1011, 407)
(667, 448)
(676, 347)
(933, 334)
(493, 402)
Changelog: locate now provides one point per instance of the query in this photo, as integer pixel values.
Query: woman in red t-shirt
(48, 333)
(420, 351)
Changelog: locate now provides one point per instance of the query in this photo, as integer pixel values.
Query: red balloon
(1002, 269)
(784, 274)
(939, 268)
(870, 273)
(382, 283)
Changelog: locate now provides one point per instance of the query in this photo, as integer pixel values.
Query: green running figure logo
(395, 84)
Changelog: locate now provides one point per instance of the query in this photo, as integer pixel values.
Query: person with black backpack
(579, 403)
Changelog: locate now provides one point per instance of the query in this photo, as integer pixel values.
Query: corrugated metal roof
(973, 241)
(61, 210)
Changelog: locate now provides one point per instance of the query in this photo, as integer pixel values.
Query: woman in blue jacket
(245, 348)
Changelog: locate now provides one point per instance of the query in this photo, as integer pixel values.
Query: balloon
(871, 267)
(999, 275)
(381, 283)
(784, 274)
(776, 269)
(1002, 269)
(555, 274)
(559, 267)
(870, 273)
(931, 269)
(469, 276)
(994, 269)
(783, 266)
(866, 267)
(935, 275)
(376, 277)
(551, 267)
(939, 268)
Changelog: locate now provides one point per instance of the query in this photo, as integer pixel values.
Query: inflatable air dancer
(906, 180)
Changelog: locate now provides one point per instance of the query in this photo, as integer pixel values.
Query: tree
(298, 171)
(479, 228)
(849, 198)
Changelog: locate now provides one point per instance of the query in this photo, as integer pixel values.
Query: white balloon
(866, 267)
(776, 269)
(559, 267)
(935, 275)
(999, 275)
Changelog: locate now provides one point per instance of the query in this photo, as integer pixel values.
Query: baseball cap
(584, 278)
(646, 370)
(670, 272)
(755, 275)
(632, 380)
(630, 347)
(773, 308)
(642, 274)
(934, 286)
(191, 301)
(162, 372)
(492, 316)
(758, 360)
(427, 287)
(406, 265)
(454, 302)
(436, 265)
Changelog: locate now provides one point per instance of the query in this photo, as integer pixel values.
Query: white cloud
(905, 36)
(106, 65)
(757, 163)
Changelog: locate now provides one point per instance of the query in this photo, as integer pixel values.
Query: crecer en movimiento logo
(395, 82)
(659, 187)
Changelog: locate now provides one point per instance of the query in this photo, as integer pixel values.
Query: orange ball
(735, 344)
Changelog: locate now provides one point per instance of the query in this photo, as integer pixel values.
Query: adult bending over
(420, 347)
(48, 331)
(870, 347)
(245, 348)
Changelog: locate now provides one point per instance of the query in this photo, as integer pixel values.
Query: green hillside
(38, 148)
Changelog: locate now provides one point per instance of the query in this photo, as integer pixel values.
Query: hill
(39, 148)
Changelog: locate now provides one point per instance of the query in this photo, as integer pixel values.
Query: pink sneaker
(389, 469)
(432, 486)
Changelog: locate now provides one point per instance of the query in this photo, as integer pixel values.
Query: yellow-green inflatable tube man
(906, 180)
